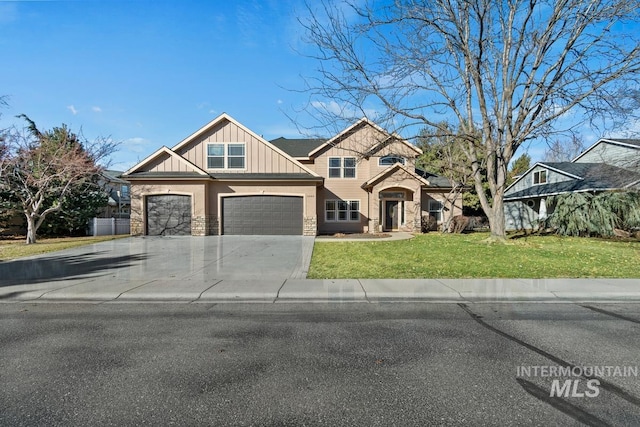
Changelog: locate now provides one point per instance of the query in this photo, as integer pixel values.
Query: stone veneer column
(310, 226)
(198, 226)
(136, 227)
(374, 225)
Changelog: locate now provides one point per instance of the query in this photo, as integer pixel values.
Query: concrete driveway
(184, 266)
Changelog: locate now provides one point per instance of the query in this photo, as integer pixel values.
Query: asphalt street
(318, 364)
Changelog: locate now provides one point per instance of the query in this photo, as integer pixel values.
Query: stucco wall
(140, 189)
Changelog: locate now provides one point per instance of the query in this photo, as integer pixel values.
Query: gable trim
(225, 116)
(391, 170)
(608, 141)
(165, 150)
(331, 142)
(570, 175)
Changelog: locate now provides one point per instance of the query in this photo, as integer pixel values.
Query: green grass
(14, 248)
(436, 255)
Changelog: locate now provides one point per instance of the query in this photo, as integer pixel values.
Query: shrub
(586, 214)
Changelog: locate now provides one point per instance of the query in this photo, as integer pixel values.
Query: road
(315, 364)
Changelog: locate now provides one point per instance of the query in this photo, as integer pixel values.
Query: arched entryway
(393, 208)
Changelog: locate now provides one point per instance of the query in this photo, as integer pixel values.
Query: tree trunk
(31, 230)
(496, 220)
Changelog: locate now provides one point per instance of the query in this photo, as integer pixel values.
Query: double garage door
(170, 214)
(269, 215)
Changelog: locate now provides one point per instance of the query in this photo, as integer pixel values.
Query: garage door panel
(263, 215)
(168, 215)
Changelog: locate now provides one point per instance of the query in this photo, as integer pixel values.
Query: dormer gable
(164, 161)
(366, 139)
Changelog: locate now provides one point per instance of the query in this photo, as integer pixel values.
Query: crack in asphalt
(603, 384)
(561, 405)
(610, 313)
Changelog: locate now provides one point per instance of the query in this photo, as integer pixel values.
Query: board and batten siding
(259, 156)
(168, 163)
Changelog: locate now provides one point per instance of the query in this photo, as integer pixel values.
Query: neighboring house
(119, 203)
(609, 164)
(226, 179)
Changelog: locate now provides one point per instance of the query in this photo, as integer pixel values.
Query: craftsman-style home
(226, 179)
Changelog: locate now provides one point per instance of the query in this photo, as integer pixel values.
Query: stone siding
(310, 226)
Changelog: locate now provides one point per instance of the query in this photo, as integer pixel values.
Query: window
(390, 160)
(334, 167)
(342, 167)
(435, 209)
(230, 157)
(235, 156)
(392, 195)
(539, 177)
(124, 191)
(349, 167)
(215, 156)
(342, 210)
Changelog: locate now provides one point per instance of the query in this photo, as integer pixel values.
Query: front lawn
(436, 255)
(11, 248)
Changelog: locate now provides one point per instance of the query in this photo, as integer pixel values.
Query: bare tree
(42, 168)
(564, 150)
(442, 155)
(513, 69)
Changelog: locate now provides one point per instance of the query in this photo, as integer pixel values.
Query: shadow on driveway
(61, 267)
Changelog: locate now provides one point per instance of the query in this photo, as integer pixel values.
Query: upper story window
(226, 156)
(391, 160)
(342, 167)
(124, 191)
(539, 177)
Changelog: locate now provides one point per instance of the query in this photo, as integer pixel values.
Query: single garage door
(271, 215)
(169, 215)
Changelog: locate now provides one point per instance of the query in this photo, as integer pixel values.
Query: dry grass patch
(14, 247)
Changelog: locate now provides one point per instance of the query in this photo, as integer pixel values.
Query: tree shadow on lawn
(65, 267)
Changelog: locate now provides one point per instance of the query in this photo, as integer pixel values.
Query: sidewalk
(95, 290)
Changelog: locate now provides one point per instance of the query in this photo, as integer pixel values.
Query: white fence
(109, 226)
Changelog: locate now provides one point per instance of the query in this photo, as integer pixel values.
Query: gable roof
(114, 176)
(297, 148)
(593, 177)
(437, 181)
(570, 169)
(624, 142)
(573, 170)
(390, 171)
(154, 156)
(364, 121)
(225, 117)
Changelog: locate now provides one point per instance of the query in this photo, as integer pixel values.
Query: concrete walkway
(326, 291)
(395, 235)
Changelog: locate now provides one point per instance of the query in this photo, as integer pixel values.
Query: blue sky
(149, 73)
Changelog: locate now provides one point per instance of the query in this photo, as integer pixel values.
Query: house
(226, 179)
(609, 164)
(119, 203)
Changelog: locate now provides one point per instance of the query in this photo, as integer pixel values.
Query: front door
(391, 217)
